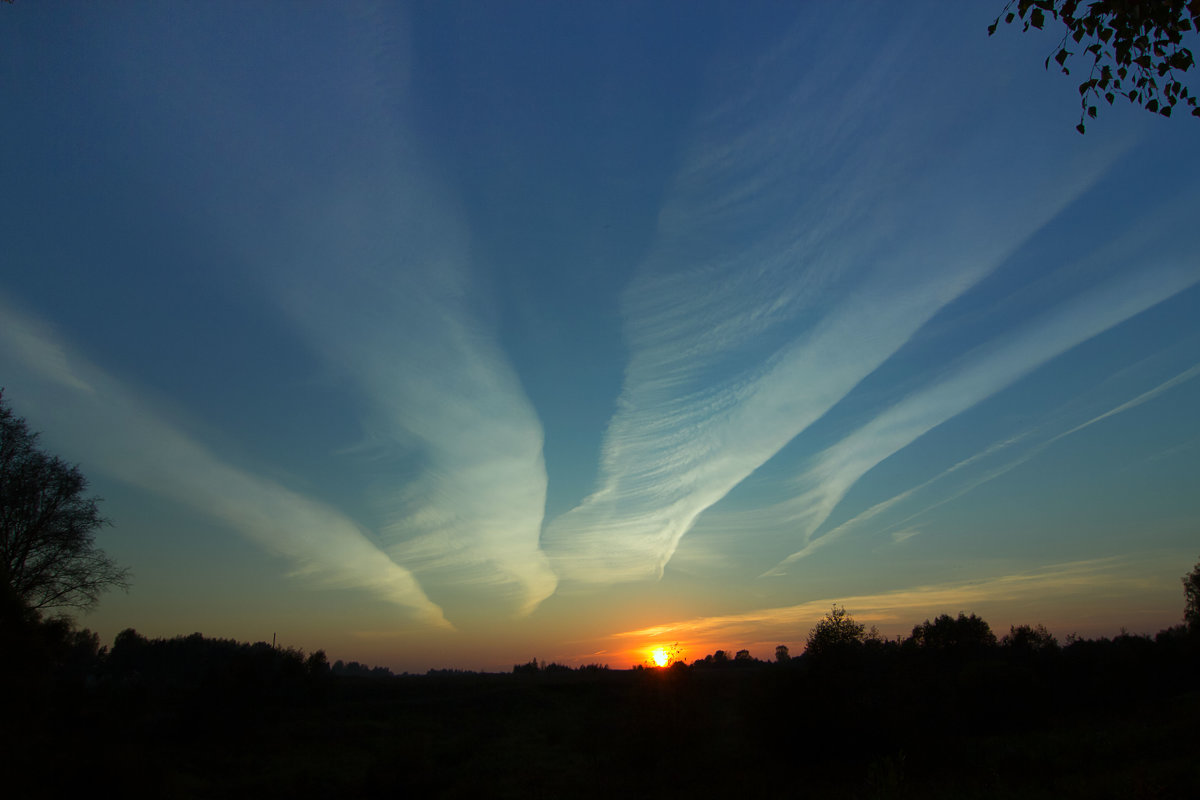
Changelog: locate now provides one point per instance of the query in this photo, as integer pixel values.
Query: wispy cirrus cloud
(107, 426)
(446, 409)
(367, 252)
(864, 518)
(999, 364)
(1145, 397)
(788, 266)
(380, 281)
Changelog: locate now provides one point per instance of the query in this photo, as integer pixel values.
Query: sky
(453, 334)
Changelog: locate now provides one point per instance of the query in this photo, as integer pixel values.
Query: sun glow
(665, 656)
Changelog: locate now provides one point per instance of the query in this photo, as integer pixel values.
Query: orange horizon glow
(663, 655)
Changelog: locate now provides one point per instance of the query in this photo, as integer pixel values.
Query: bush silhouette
(966, 635)
(837, 632)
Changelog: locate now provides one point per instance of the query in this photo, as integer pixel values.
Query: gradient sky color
(451, 334)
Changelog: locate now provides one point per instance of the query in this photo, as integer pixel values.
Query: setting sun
(661, 657)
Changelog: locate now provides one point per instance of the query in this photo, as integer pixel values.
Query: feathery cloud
(106, 425)
(835, 470)
(777, 284)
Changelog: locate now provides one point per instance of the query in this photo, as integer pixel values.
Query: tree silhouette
(837, 631)
(967, 634)
(1191, 594)
(1030, 639)
(48, 556)
(1136, 48)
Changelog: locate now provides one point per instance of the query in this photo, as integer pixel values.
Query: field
(1113, 718)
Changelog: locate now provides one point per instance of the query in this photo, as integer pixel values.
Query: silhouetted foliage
(1191, 597)
(225, 674)
(357, 670)
(48, 556)
(781, 654)
(530, 668)
(963, 636)
(16, 618)
(1030, 639)
(721, 659)
(317, 664)
(39, 654)
(192, 716)
(1136, 48)
(837, 632)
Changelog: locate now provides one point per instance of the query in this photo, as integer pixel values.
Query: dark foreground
(1109, 718)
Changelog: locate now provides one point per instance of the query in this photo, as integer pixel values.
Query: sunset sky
(456, 334)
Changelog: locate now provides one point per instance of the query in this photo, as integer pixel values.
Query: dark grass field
(1117, 720)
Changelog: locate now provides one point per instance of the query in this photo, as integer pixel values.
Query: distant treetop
(837, 631)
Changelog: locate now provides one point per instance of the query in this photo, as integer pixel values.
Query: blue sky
(444, 334)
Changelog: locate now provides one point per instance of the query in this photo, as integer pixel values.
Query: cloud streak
(823, 485)
(1108, 576)
(990, 475)
(777, 284)
(370, 259)
(444, 406)
(107, 426)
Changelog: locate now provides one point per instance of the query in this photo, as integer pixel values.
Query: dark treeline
(950, 711)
